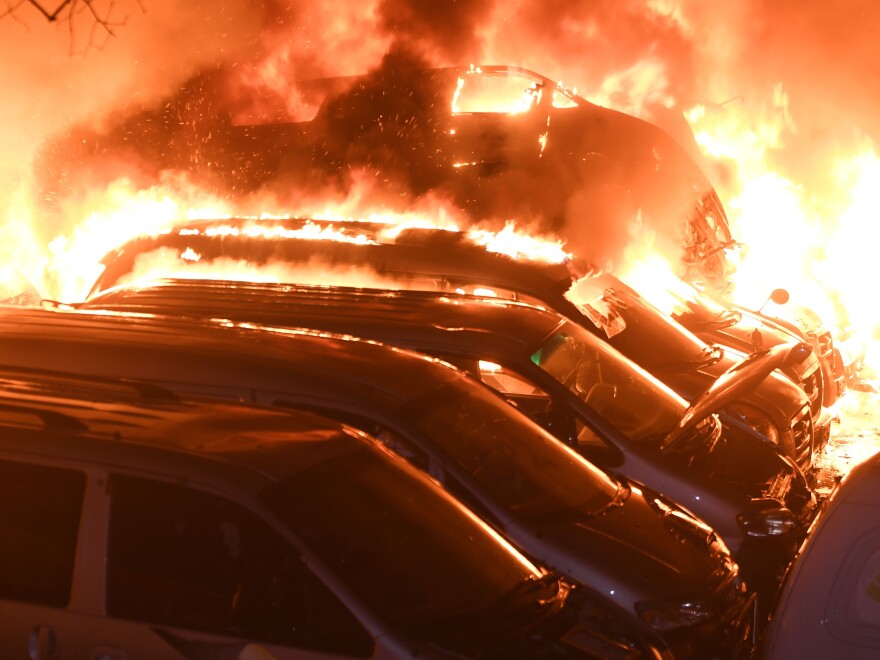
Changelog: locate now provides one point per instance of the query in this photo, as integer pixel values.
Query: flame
(68, 264)
(171, 263)
(309, 231)
(819, 244)
(520, 245)
(489, 93)
(642, 85)
(653, 276)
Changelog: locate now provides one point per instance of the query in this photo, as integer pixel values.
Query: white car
(830, 605)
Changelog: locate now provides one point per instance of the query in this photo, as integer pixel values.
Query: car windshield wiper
(531, 585)
(711, 354)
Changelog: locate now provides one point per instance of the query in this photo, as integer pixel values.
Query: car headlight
(665, 615)
(775, 521)
(757, 419)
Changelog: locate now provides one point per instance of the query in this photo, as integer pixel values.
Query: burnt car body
(735, 479)
(542, 496)
(829, 605)
(139, 525)
(503, 142)
(446, 260)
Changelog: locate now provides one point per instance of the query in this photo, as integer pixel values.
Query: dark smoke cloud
(448, 29)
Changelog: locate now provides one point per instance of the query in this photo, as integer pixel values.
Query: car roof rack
(148, 392)
(51, 419)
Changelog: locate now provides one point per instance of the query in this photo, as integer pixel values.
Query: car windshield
(513, 459)
(632, 401)
(415, 556)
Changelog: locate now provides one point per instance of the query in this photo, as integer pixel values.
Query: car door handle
(42, 643)
(108, 653)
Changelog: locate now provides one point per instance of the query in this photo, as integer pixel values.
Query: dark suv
(136, 525)
(582, 390)
(447, 260)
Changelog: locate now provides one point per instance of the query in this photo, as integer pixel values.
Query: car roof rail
(151, 392)
(51, 419)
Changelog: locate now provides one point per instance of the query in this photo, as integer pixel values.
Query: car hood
(751, 334)
(644, 545)
(736, 381)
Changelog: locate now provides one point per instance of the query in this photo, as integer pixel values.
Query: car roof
(113, 422)
(391, 252)
(221, 353)
(428, 319)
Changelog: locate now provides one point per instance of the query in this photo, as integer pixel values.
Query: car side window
(530, 399)
(40, 509)
(185, 558)
(508, 382)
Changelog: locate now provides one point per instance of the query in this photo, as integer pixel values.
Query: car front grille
(802, 430)
(729, 594)
(812, 386)
(824, 344)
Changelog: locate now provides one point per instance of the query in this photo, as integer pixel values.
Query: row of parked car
(218, 468)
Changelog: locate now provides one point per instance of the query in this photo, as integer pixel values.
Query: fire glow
(820, 247)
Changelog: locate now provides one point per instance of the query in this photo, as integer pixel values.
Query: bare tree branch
(99, 13)
(51, 16)
(10, 11)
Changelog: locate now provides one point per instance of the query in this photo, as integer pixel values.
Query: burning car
(287, 251)
(148, 526)
(582, 390)
(502, 142)
(542, 496)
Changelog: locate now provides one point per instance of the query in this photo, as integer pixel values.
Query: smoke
(194, 92)
(446, 31)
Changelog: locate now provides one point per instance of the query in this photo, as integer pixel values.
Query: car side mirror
(778, 296)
